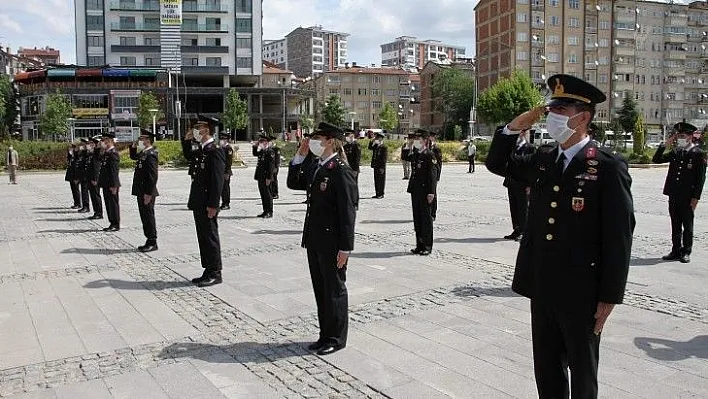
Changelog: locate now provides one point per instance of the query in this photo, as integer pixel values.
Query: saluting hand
(304, 148)
(94, 182)
(114, 190)
(211, 212)
(694, 203)
(189, 135)
(527, 119)
(431, 197)
(603, 312)
(671, 139)
(342, 259)
(147, 198)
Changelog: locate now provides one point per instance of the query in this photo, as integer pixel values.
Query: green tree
(146, 102)
(388, 117)
(454, 89)
(56, 114)
(457, 133)
(628, 114)
(333, 111)
(638, 136)
(508, 98)
(307, 123)
(8, 104)
(235, 115)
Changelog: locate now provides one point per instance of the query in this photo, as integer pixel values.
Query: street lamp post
(72, 127)
(352, 114)
(153, 112)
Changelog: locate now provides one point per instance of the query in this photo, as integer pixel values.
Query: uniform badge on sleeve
(330, 166)
(578, 203)
(323, 185)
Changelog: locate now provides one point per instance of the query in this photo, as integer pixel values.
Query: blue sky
(39, 23)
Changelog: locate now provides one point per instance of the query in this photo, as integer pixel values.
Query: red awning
(37, 74)
(21, 76)
(88, 72)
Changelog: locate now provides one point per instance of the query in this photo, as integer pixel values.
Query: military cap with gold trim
(684, 128)
(328, 130)
(146, 133)
(423, 133)
(568, 89)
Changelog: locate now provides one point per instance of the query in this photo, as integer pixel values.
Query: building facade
(410, 52)
(653, 52)
(47, 55)
(365, 90)
(276, 52)
(308, 51)
(431, 114)
(10, 63)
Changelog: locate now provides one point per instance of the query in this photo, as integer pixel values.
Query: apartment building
(197, 37)
(409, 51)
(10, 63)
(431, 114)
(652, 51)
(276, 52)
(364, 91)
(308, 51)
(46, 55)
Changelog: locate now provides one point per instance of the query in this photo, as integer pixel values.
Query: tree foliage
(388, 117)
(333, 111)
(508, 98)
(307, 123)
(235, 114)
(628, 114)
(8, 104)
(146, 102)
(454, 89)
(638, 133)
(56, 114)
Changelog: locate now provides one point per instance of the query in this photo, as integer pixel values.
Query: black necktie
(560, 163)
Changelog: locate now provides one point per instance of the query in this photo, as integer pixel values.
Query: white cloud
(57, 15)
(9, 25)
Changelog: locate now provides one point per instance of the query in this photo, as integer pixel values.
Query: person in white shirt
(471, 155)
(11, 161)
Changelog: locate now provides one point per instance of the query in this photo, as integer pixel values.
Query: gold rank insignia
(592, 171)
(578, 203)
(592, 162)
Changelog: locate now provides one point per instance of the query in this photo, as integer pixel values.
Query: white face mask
(141, 145)
(103, 145)
(90, 147)
(223, 143)
(261, 146)
(197, 134)
(557, 126)
(682, 143)
(377, 142)
(71, 152)
(316, 147)
(350, 139)
(81, 148)
(417, 144)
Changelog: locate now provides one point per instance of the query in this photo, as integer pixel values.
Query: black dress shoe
(276, 196)
(108, 228)
(405, 178)
(225, 207)
(316, 345)
(672, 256)
(113, 228)
(213, 278)
(203, 277)
(148, 248)
(512, 236)
(262, 215)
(268, 215)
(304, 202)
(685, 258)
(424, 252)
(95, 217)
(416, 251)
(76, 207)
(84, 210)
(328, 349)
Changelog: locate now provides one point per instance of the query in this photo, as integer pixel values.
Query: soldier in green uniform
(574, 256)
(145, 186)
(225, 144)
(684, 185)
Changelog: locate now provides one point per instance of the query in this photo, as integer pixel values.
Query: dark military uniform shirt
(687, 171)
(96, 162)
(353, 152)
(265, 168)
(424, 171)
(229, 159)
(71, 158)
(208, 178)
(576, 249)
(192, 152)
(379, 155)
(145, 174)
(109, 169)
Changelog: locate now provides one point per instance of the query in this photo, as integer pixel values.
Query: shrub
(170, 154)
(46, 155)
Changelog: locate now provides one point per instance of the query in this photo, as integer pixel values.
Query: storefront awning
(61, 73)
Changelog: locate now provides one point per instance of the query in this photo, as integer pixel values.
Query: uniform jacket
(687, 172)
(265, 168)
(70, 166)
(353, 152)
(145, 175)
(524, 149)
(96, 161)
(438, 156)
(332, 195)
(379, 155)
(109, 169)
(192, 152)
(576, 248)
(84, 165)
(229, 159)
(276, 159)
(208, 179)
(424, 171)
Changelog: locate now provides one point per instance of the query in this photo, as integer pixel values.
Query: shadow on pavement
(66, 231)
(238, 217)
(61, 208)
(276, 202)
(158, 203)
(55, 212)
(298, 210)
(242, 352)
(646, 261)
(278, 232)
(470, 240)
(99, 251)
(378, 255)
(665, 349)
(245, 199)
(470, 291)
(79, 217)
(138, 285)
(385, 221)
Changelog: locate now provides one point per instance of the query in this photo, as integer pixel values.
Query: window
(94, 4)
(553, 3)
(572, 59)
(376, 104)
(522, 37)
(214, 41)
(127, 22)
(362, 104)
(362, 92)
(96, 61)
(553, 57)
(245, 42)
(244, 62)
(94, 22)
(602, 78)
(213, 61)
(363, 79)
(553, 39)
(213, 23)
(347, 91)
(152, 41)
(574, 4)
(243, 5)
(521, 17)
(127, 41)
(129, 61)
(190, 61)
(333, 91)
(94, 41)
(605, 25)
(572, 40)
(390, 92)
(151, 23)
(604, 43)
(375, 92)
(574, 22)
(555, 20)
(243, 25)
(152, 61)
(522, 55)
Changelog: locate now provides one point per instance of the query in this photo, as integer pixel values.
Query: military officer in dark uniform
(82, 168)
(264, 172)
(352, 149)
(518, 192)
(683, 186)
(94, 171)
(379, 158)
(438, 156)
(145, 186)
(204, 197)
(276, 168)
(225, 144)
(328, 233)
(574, 256)
(109, 180)
(72, 157)
(422, 186)
(192, 150)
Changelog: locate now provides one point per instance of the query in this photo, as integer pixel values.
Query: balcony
(624, 68)
(198, 8)
(135, 6)
(538, 25)
(118, 27)
(624, 33)
(625, 51)
(134, 49)
(621, 85)
(590, 66)
(204, 70)
(205, 28)
(538, 7)
(590, 30)
(537, 44)
(205, 49)
(675, 54)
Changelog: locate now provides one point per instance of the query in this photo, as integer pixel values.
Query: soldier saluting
(145, 186)
(683, 186)
(265, 170)
(574, 256)
(225, 144)
(109, 180)
(379, 158)
(94, 171)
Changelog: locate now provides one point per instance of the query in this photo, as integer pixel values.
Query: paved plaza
(84, 315)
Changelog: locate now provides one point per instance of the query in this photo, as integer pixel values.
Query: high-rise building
(653, 52)
(214, 37)
(308, 51)
(409, 51)
(47, 55)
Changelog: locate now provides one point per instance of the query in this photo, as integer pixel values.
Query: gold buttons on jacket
(554, 204)
(549, 237)
(551, 221)
(556, 188)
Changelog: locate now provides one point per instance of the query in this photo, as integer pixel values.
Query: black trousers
(75, 193)
(95, 193)
(681, 216)
(266, 196)
(112, 206)
(208, 238)
(518, 207)
(563, 339)
(331, 296)
(434, 207)
(226, 192)
(422, 221)
(380, 181)
(274, 186)
(147, 217)
(85, 193)
(470, 160)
